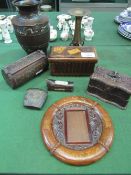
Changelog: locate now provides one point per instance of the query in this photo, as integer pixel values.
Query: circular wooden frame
(77, 157)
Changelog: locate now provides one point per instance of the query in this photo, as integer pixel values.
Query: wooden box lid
(72, 53)
(112, 78)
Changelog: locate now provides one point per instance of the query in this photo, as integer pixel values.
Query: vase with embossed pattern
(31, 28)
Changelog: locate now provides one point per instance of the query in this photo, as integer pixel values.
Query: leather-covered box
(72, 60)
(25, 68)
(110, 86)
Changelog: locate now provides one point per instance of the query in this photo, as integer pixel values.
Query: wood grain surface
(77, 157)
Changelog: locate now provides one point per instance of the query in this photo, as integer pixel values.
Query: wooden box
(110, 86)
(25, 69)
(72, 60)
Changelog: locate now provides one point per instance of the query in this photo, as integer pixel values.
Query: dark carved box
(72, 60)
(25, 68)
(110, 86)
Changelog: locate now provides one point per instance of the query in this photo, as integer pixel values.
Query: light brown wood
(66, 54)
(79, 132)
(77, 157)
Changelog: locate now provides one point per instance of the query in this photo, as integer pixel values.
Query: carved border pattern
(95, 123)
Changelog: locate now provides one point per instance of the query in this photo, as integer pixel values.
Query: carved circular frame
(77, 157)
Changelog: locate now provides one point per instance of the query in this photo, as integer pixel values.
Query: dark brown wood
(25, 68)
(54, 136)
(110, 86)
(70, 60)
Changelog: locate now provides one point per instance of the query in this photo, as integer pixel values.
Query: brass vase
(78, 13)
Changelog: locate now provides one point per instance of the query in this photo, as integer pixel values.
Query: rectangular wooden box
(25, 69)
(110, 86)
(72, 60)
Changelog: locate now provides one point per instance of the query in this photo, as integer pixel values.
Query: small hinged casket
(72, 60)
(25, 68)
(110, 86)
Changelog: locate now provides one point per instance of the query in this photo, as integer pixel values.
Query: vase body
(31, 29)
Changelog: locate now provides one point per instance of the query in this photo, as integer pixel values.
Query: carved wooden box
(110, 86)
(77, 130)
(72, 60)
(25, 68)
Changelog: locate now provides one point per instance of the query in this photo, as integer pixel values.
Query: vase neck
(28, 10)
(27, 7)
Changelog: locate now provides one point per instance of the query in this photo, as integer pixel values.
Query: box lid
(73, 53)
(24, 62)
(112, 78)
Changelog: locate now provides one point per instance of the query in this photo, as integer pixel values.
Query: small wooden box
(25, 69)
(110, 86)
(72, 60)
